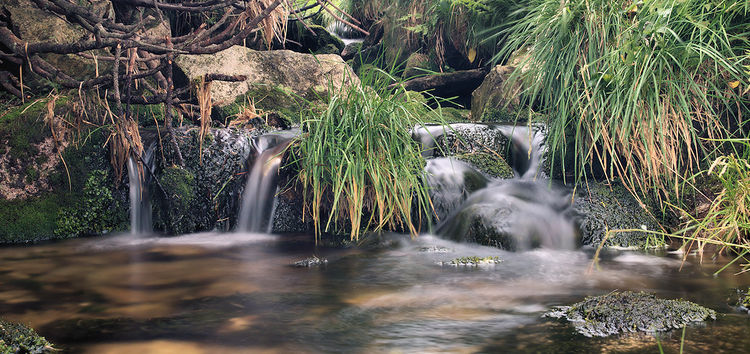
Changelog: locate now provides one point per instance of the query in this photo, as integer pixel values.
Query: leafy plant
(359, 166)
(638, 83)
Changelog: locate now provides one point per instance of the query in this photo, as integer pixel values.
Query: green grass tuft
(359, 166)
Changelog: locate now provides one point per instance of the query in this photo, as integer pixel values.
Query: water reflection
(215, 292)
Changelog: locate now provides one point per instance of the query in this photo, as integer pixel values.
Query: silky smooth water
(229, 293)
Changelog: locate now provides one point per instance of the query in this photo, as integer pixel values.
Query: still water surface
(236, 293)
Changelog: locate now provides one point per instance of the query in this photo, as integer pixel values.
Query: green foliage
(16, 338)
(358, 164)
(637, 82)
(726, 223)
(95, 213)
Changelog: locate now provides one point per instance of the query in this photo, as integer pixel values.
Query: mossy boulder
(624, 312)
(297, 73)
(491, 164)
(33, 24)
(49, 185)
(179, 195)
(18, 339)
(312, 39)
(600, 207)
(494, 96)
(351, 50)
(418, 64)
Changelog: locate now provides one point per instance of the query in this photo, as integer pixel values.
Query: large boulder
(300, 75)
(494, 99)
(33, 24)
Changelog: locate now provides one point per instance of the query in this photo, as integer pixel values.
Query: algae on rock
(17, 338)
(623, 312)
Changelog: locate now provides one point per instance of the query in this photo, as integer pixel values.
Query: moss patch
(265, 98)
(17, 338)
(96, 212)
(490, 164)
(179, 188)
(623, 312)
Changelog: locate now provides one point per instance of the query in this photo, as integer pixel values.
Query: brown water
(234, 293)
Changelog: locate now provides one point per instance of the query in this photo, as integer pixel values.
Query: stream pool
(236, 293)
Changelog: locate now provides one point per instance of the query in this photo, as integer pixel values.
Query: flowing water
(238, 292)
(258, 197)
(139, 179)
(229, 293)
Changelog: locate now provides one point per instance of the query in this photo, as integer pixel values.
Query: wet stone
(310, 262)
(473, 261)
(17, 338)
(435, 249)
(624, 312)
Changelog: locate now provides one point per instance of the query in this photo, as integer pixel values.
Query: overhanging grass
(639, 83)
(359, 166)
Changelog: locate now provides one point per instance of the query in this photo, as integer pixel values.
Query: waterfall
(140, 199)
(256, 211)
(523, 212)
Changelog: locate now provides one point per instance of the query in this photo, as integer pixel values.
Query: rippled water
(209, 293)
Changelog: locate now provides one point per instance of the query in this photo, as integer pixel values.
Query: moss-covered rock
(600, 207)
(418, 64)
(623, 312)
(491, 164)
(49, 187)
(494, 93)
(312, 39)
(19, 339)
(351, 50)
(204, 194)
(96, 212)
(473, 261)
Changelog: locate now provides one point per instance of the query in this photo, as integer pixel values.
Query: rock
(319, 41)
(491, 164)
(351, 50)
(205, 194)
(493, 97)
(310, 262)
(17, 338)
(599, 207)
(303, 75)
(473, 261)
(418, 64)
(33, 24)
(623, 312)
(743, 300)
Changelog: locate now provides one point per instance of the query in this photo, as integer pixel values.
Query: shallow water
(209, 293)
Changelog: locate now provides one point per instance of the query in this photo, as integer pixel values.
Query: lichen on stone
(491, 164)
(624, 312)
(16, 338)
(473, 261)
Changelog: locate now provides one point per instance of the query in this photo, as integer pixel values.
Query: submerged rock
(313, 261)
(600, 207)
(473, 261)
(17, 338)
(623, 312)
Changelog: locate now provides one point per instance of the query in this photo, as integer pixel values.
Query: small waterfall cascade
(526, 211)
(139, 179)
(256, 210)
(344, 32)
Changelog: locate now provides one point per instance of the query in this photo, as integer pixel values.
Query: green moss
(266, 98)
(490, 164)
(17, 338)
(96, 212)
(622, 312)
(29, 220)
(22, 127)
(179, 189)
(314, 38)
